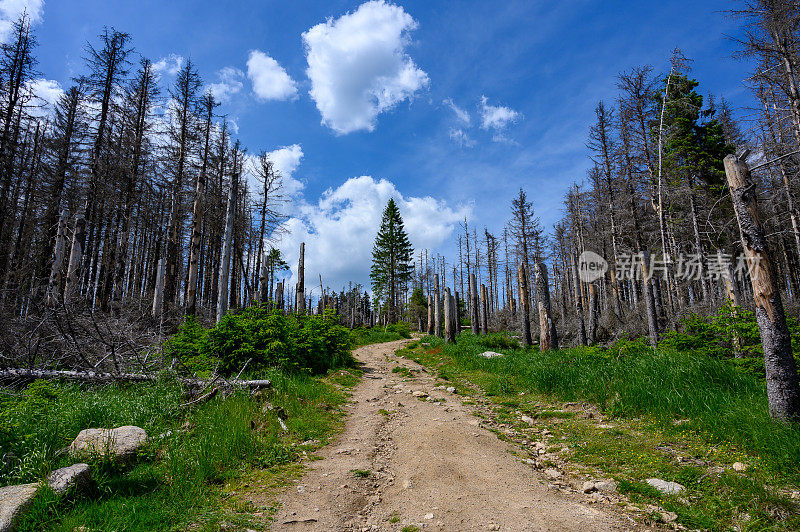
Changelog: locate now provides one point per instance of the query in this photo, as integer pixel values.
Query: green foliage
(723, 404)
(498, 341)
(390, 333)
(268, 338)
(418, 305)
(391, 257)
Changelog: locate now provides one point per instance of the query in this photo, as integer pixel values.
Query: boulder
(120, 443)
(526, 419)
(589, 486)
(13, 501)
(75, 476)
(553, 474)
(666, 487)
(490, 354)
(606, 485)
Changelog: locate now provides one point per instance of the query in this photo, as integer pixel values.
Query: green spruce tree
(391, 259)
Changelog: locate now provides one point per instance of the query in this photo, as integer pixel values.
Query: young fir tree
(391, 259)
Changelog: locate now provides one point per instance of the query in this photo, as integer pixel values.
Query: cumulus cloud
(286, 160)
(169, 65)
(461, 114)
(229, 83)
(358, 65)
(11, 10)
(496, 117)
(270, 80)
(339, 230)
(47, 92)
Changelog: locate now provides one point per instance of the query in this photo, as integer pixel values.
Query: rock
(527, 419)
(529, 461)
(490, 354)
(553, 474)
(606, 485)
(451, 389)
(739, 466)
(589, 486)
(666, 487)
(494, 526)
(75, 476)
(545, 432)
(121, 443)
(420, 394)
(428, 516)
(669, 517)
(13, 501)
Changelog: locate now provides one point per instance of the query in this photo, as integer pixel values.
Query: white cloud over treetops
(358, 65)
(11, 10)
(169, 65)
(270, 80)
(47, 92)
(229, 82)
(286, 160)
(339, 230)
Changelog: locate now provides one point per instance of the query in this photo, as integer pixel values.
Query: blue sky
(435, 141)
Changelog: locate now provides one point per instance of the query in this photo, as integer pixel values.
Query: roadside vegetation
(197, 455)
(682, 416)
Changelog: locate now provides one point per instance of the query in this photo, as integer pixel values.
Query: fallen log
(93, 377)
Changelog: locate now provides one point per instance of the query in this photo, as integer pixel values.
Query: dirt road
(405, 461)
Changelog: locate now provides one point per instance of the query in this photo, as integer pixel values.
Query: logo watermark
(591, 266)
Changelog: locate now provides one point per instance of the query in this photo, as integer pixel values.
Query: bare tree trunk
(525, 304)
(437, 306)
(593, 305)
(75, 258)
(227, 247)
(54, 283)
(299, 298)
(473, 295)
(484, 309)
(547, 327)
(448, 319)
(158, 294)
(783, 387)
(578, 301)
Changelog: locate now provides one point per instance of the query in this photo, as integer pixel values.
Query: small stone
(529, 461)
(13, 501)
(451, 389)
(494, 526)
(545, 432)
(527, 419)
(420, 394)
(739, 466)
(553, 474)
(428, 516)
(666, 487)
(589, 486)
(75, 476)
(490, 354)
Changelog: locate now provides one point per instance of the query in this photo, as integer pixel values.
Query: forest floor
(414, 455)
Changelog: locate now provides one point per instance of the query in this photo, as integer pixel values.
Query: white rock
(451, 389)
(606, 485)
(121, 442)
(420, 393)
(428, 516)
(553, 474)
(739, 466)
(66, 478)
(490, 354)
(669, 517)
(589, 486)
(13, 501)
(666, 487)
(527, 419)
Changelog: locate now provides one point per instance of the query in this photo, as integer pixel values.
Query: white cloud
(230, 82)
(460, 137)
(169, 65)
(270, 80)
(47, 93)
(358, 65)
(286, 161)
(461, 114)
(496, 117)
(339, 230)
(11, 10)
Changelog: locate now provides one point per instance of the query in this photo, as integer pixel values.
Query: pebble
(553, 474)
(739, 466)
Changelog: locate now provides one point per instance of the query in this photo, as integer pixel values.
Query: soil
(427, 461)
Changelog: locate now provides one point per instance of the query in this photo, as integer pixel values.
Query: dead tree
(578, 301)
(484, 309)
(58, 258)
(783, 388)
(437, 306)
(75, 257)
(299, 295)
(547, 327)
(227, 246)
(473, 293)
(525, 304)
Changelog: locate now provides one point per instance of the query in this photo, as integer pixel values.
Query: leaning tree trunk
(783, 387)
(525, 305)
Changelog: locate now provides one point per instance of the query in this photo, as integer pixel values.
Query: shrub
(400, 328)
(268, 338)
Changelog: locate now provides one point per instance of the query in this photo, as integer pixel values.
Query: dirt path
(430, 464)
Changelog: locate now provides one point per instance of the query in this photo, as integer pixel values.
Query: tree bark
(227, 245)
(547, 327)
(783, 387)
(75, 258)
(437, 306)
(299, 298)
(576, 282)
(473, 296)
(525, 305)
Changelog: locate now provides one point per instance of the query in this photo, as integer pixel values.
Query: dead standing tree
(783, 388)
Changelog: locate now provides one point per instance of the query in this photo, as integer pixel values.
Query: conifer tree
(391, 259)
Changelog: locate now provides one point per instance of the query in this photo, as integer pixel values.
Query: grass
(364, 336)
(180, 479)
(668, 415)
(361, 473)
